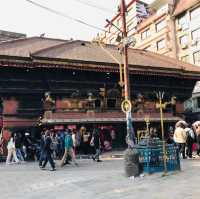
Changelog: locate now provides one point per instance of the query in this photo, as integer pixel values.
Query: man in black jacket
(48, 151)
(42, 151)
(96, 142)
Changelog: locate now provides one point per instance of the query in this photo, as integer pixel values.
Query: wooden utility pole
(125, 50)
(130, 131)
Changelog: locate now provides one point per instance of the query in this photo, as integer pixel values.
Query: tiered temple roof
(85, 55)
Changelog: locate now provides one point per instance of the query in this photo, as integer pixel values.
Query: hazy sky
(21, 16)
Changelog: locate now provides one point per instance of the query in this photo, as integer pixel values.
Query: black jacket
(47, 145)
(96, 138)
(42, 143)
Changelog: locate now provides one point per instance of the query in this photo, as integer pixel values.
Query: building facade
(154, 29)
(156, 33)
(187, 15)
(172, 28)
(136, 12)
(83, 82)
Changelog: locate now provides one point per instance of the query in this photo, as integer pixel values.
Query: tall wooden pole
(125, 51)
(162, 131)
(130, 131)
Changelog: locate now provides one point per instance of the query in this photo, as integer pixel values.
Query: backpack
(191, 134)
(52, 146)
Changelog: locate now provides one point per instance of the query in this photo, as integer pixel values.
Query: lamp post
(130, 138)
(161, 106)
(130, 131)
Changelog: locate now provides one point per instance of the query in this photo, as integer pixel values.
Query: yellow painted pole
(147, 121)
(163, 136)
(121, 82)
(121, 75)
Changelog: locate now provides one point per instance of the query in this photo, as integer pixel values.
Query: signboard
(71, 127)
(59, 127)
(126, 106)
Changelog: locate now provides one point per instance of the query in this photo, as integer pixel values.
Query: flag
(141, 10)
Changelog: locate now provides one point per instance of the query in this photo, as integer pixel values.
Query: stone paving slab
(91, 180)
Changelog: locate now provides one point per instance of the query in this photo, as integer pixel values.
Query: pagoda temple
(55, 83)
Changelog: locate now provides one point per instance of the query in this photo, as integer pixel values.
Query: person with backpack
(190, 141)
(48, 152)
(68, 148)
(180, 138)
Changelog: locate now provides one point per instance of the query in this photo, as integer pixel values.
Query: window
(118, 22)
(195, 14)
(129, 27)
(128, 12)
(185, 58)
(159, 26)
(196, 35)
(183, 40)
(161, 44)
(145, 34)
(196, 57)
(183, 22)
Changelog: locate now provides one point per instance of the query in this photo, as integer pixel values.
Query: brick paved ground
(96, 180)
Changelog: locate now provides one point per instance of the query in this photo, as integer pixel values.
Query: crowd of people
(63, 146)
(187, 139)
(21, 148)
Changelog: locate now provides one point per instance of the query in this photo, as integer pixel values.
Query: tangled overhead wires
(88, 3)
(65, 15)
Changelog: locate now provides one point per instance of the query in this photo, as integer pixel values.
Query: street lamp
(130, 131)
(125, 42)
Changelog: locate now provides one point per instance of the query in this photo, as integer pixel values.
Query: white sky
(23, 17)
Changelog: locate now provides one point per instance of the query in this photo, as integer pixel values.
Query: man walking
(68, 148)
(48, 151)
(96, 143)
(190, 140)
(42, 151)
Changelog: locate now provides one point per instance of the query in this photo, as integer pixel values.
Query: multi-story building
(157, 32)
(187, 13)
(136, 12)
(7, 35)
(152, 26)
(168, 27)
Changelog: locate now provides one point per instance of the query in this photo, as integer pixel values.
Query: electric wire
(65, 15)
(113, 58)
(95, 6)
